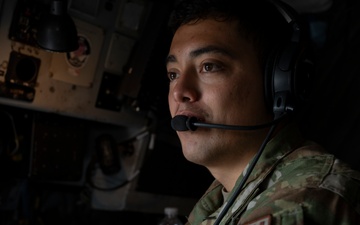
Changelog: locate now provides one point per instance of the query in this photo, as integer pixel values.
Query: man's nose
(185, 89)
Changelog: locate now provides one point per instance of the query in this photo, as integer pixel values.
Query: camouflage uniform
(295, 182)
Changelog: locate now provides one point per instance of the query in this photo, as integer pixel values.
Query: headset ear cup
(269, 79)
(284, 79)
(288, 79)
(287, 70)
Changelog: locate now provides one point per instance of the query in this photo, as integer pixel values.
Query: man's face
(215, 76)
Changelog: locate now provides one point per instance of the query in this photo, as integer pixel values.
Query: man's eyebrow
(197, 52)
(210, 49)
(170, 58)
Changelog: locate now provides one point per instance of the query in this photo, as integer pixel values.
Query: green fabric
(295, 181)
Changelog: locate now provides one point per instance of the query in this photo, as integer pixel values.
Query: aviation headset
(288, 68)
(286, 78)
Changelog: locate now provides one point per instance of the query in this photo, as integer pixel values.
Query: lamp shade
(56, 30)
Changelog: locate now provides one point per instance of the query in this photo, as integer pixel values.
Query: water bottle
(171, 217)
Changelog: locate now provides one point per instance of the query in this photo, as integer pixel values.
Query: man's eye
(211, 67)
(172, 76)
(208, 66)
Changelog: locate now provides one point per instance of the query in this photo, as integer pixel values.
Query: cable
(246, 176)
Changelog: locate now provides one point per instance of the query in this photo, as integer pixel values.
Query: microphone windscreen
(179, 123)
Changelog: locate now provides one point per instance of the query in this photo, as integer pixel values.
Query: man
(223, 66)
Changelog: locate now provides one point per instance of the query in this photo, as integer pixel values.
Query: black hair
(260, 22)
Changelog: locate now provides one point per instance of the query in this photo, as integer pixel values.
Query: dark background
(331, 118)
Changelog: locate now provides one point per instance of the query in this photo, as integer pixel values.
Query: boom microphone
(185, 123)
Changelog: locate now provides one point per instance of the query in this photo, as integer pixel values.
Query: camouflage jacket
(295, 182)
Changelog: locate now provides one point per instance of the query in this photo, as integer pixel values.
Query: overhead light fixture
(56, 30)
